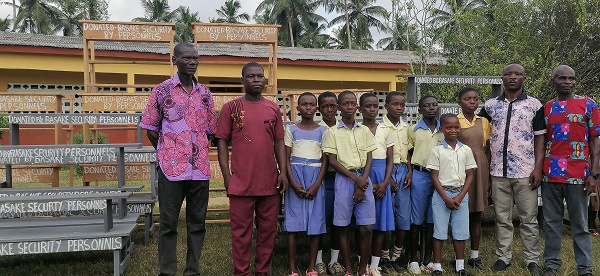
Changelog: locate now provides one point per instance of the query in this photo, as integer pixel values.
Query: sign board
(140, 157)
(238, 33)
(63, 245)
(29, 102)
(128, 31)
(77, 119)
(97, 102)
(22, 175)
(70, 154)
(465, 80)
(133, 172)
(52, 208)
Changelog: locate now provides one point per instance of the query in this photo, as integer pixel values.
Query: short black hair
(344, 94)
(465, 90)
(390, 95)
(446, 116)
(324, 95)
(514, 63)
(306, 94)
(250, 65)
(178, 48)
(364, 96)
(422, 99)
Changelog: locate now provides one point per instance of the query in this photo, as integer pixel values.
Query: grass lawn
(216, 258)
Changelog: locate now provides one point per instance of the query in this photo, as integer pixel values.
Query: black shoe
(398, 267)
(549, 272)
(437, 273)
(476, 263)
(534, 269)
(463, 272)
(500, 265)
(386, 266)
(587, 274)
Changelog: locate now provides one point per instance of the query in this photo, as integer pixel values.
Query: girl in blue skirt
(381, 176)
(305, 200)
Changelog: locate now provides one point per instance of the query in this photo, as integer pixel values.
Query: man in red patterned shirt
(179, 115)
(570, 169)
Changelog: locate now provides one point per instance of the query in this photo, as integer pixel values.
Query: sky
(125, 10)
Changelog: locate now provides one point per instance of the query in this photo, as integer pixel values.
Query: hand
(362, 182)
(282, 183)
(407, 180)
(312, 191)
(298, 189)
(535, 179)
(457, 201)
(489, 189)
(379, 189)
(394, 186)
(449, 203)
(226, 179)
(359, 195)
(590, 185)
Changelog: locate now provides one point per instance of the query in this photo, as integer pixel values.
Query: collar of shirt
(387, 123)
(523, 96)
(342, 125)
(445, 144)
(177, 82)
(462, 117)
(423, 125)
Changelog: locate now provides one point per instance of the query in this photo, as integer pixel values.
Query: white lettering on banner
(55, 246)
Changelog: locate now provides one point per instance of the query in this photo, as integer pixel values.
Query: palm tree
(264, 18)
(340, 6)
(4, 24)
(228, 13)
(71, 13)
(448, 18)
(36, 16)
(361, 17)
(294, 15)
(157, 11)
(313, 37)
(403, 36)
(95, 9)
(183, 25)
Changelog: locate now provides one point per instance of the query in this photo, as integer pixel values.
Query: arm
(469, 179)
(295, 186)
(153, 137)
(408, 178)
(282, 181)
(312, 190)
(380, 189)
(223, 155)
(590, 182)
(535, 179)
(438, 187)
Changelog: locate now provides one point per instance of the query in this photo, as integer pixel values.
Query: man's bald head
(181, 46)
(562, 69)
(514, 66)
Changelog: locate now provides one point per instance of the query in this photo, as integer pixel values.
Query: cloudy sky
(125, 10)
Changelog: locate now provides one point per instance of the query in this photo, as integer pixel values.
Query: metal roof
(218, 49)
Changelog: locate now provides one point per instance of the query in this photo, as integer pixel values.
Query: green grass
(216, 258)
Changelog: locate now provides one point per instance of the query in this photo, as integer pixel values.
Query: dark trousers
(170, 198)
(264, 211)
(577, 203)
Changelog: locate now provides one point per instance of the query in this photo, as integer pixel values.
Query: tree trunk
(347, 24)
(291, 32)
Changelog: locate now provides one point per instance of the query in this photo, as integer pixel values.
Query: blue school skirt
(384, 207)
(303, 214)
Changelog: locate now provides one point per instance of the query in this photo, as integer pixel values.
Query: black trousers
(170, 198)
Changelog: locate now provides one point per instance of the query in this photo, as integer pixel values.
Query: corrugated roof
(217, 49)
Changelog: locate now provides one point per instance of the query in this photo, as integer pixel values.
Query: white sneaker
(413, 268)
(375, 271)
(428, 268)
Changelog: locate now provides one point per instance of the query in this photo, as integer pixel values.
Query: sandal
(594, 232)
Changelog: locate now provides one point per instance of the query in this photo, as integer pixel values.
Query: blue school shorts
(402, 201)
(421, 191)
(344, 206)
(444, 218)
(328, 182)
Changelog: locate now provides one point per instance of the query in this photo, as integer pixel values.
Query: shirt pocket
(269, 125)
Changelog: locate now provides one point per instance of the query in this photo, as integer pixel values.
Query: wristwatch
(595, 175)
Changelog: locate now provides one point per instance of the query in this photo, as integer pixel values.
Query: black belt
(361, 170)
(419, 168)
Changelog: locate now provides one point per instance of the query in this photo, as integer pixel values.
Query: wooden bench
(35, 235)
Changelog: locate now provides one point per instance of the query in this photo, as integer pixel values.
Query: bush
(3, 124)
(78, 139)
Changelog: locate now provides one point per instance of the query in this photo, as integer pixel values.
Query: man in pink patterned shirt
(179, 116)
